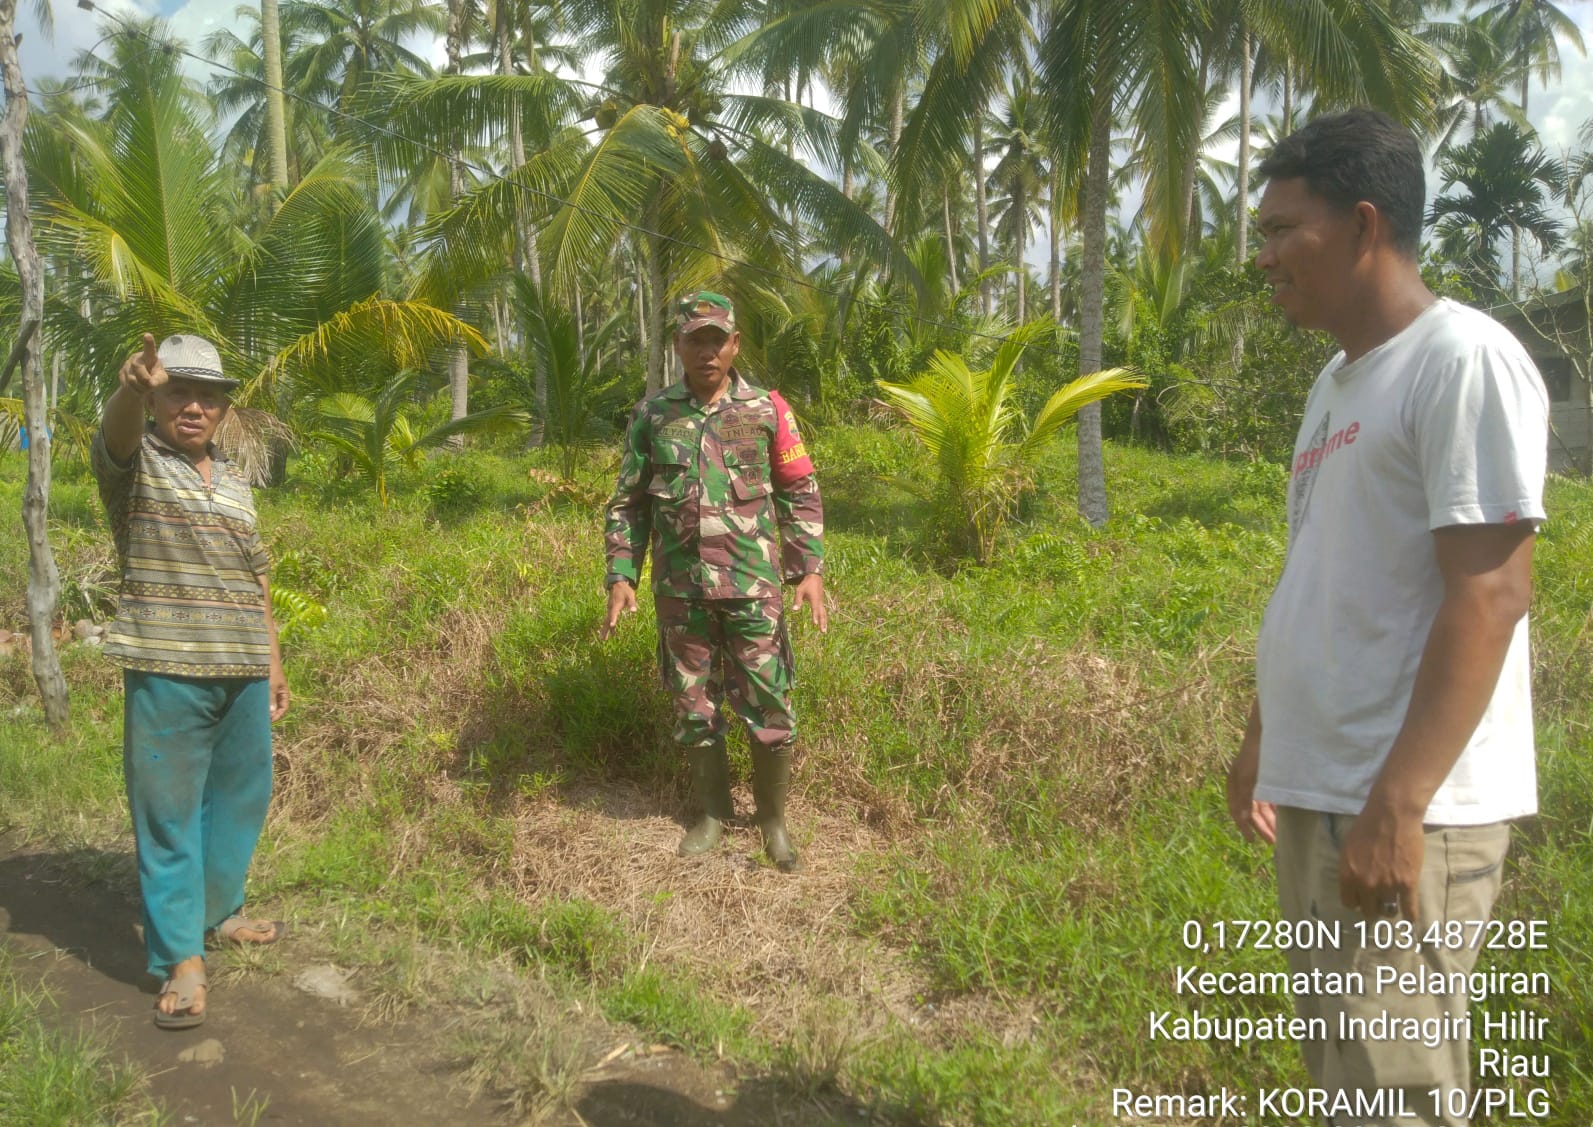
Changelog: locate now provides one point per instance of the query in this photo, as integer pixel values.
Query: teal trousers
(197, 755)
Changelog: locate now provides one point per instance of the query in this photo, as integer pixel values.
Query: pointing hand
(143, 370)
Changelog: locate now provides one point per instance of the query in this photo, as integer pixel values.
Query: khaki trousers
(1462, 868)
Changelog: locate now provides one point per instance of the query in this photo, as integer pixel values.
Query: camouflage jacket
(700, 481)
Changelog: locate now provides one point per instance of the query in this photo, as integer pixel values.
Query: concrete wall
(1570, 417)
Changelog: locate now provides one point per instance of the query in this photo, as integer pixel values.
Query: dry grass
(763, 940)
(376, 706)
(769, 941)
(1091, 719)
(248, 435)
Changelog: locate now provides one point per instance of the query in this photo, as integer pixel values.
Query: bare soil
(315, 1063)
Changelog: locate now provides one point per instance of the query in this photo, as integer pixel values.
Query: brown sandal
(183, 984)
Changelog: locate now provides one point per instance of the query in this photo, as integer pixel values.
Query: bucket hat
(193, 358)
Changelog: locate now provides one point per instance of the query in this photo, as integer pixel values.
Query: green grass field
(1009, 789)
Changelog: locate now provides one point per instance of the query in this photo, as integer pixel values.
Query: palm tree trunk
(1092, 288)
(458, 358)
(1056, 242)
(657, 377)
(1242, 232)
(982, 211)
(1020, 204)
(1288, 98)
(44, 580)
(846, 190)
(458, 387)
(1191, 239)
(530, 260)
(951, 241)
(642, 335)
(898, 111)
(580, 326)
(1515, 230)
(790, 154)
(276, 107)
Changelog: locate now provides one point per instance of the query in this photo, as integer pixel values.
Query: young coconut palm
(984, 448)
(375, 435)
(142, 203)
(571, 384)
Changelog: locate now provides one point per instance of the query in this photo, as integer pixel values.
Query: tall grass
(1009, 787)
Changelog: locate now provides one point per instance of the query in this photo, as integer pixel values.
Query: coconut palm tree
(662, 143)
(1480, 73)
(1090, 57)
(1020, 176)
(241, 93)
(345, 41)
(1534, 29)
(1345, 52)
(143, 203)
(275, 99)
(870, 52)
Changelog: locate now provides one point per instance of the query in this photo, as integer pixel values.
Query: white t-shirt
(1444, 424)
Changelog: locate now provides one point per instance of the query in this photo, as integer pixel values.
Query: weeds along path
(302, 1059)
(271, 1053)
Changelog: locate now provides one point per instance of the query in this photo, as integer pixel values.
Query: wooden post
(44, 581)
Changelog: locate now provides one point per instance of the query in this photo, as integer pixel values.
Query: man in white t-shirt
(1391, 740)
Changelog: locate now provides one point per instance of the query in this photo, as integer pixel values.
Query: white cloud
(77, 30)
(1566, 109)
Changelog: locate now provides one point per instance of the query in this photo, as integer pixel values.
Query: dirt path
(308, 1060)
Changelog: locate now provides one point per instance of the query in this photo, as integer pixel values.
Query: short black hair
(1360, 154)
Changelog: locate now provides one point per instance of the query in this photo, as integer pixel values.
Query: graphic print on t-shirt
(1305, 471)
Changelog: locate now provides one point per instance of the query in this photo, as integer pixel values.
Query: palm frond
(404, 331)
(611, 187)
(1069, 399)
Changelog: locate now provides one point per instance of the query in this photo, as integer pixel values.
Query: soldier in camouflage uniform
(716, 475)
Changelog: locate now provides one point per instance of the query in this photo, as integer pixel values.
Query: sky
(1557, 112)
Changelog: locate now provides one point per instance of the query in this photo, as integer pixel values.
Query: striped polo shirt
(191, 562)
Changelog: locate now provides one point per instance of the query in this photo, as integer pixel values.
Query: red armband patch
(789, 459)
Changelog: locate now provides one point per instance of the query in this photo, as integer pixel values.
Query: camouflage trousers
(710, 650)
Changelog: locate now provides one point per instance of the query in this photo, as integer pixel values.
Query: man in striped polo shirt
(198, 648)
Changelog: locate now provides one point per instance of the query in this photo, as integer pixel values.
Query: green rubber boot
(710, 782)
(771, 781)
